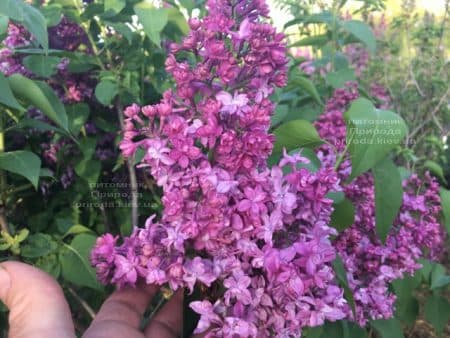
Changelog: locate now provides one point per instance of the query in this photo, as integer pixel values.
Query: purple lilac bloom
(372, 265)
(66, 35)
(259, 240)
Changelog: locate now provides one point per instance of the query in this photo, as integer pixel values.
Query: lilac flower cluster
(416, 232)
(67, 35)
(10, 63)
(256, 238)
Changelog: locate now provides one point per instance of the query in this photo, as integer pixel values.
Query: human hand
(38, 309)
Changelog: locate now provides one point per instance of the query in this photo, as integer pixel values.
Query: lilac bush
(250, 193)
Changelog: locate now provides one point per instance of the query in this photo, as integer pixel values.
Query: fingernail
(5, 283)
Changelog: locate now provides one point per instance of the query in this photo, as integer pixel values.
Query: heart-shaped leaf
(152, 19)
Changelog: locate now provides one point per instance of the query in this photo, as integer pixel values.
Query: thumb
(36, 303)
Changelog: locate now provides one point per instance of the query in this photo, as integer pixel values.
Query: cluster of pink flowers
(416, 232)
(258, 238)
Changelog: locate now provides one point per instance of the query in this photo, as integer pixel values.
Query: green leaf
(437, 273)
(332, 329)
(340, 61)
(41, 96)
(22, 162)
(314, 332)
(404, 173)
(36, 24)
(354, 331)
(114, 5)
(343, 215)
(87, 146)
(22, 235)
(389, 328)
(152, 19)
(316, 40)
(295, 134)
(308, 86)
(50, 264)
(388, 195)
(75, 262)
(89, 170)
(435, 169)
(445, 204)
(336, 196)
(440, 282)
(405, 287)
(362, 32)
(42, 65)
(138, 156)
(61, 115)
(175, 16)
(326, 17)
(123, 30)
(80, 63)
(281, 112)
(425, 271)
(106, 91)
(52, 14)
(63, 221)
(37, 124)
(407, 310)
(406, 305)
(437, 312)
(38, 245)
(6, 96)
(77, 115)
(339, 78)
(339, 270)
(314, 162)
(45, 172)
(4, 20)
(77, 229)
(371, 134)
(12, 9)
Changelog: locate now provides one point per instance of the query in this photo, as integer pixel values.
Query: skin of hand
(38, 309)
